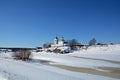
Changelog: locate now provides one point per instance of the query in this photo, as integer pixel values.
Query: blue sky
(30, 23)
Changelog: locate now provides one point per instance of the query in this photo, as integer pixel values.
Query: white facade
(58, 43)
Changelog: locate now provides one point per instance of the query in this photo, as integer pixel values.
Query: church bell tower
(56, 40)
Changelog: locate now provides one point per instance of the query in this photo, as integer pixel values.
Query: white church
(59, 43)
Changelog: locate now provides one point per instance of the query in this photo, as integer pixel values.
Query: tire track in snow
(110, 61)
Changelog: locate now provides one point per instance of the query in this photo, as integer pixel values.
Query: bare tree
(92, 42)
(72, 43)
(47, 45)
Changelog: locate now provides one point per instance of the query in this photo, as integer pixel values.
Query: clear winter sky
(30, 23)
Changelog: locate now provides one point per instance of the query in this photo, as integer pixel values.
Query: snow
(110, 52)
(94, 57)
(70, 60)
(2, 78)
(18, 70)
(5, 55)
(30, 72)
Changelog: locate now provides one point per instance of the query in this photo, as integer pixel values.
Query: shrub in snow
(57, 50)
(21, 54)
(101, 44)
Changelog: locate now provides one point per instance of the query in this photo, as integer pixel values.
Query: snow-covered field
(96, 63)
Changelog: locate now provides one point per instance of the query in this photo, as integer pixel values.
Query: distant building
(59, 43)
(58, 46)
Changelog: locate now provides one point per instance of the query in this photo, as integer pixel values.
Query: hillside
(95, 63)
